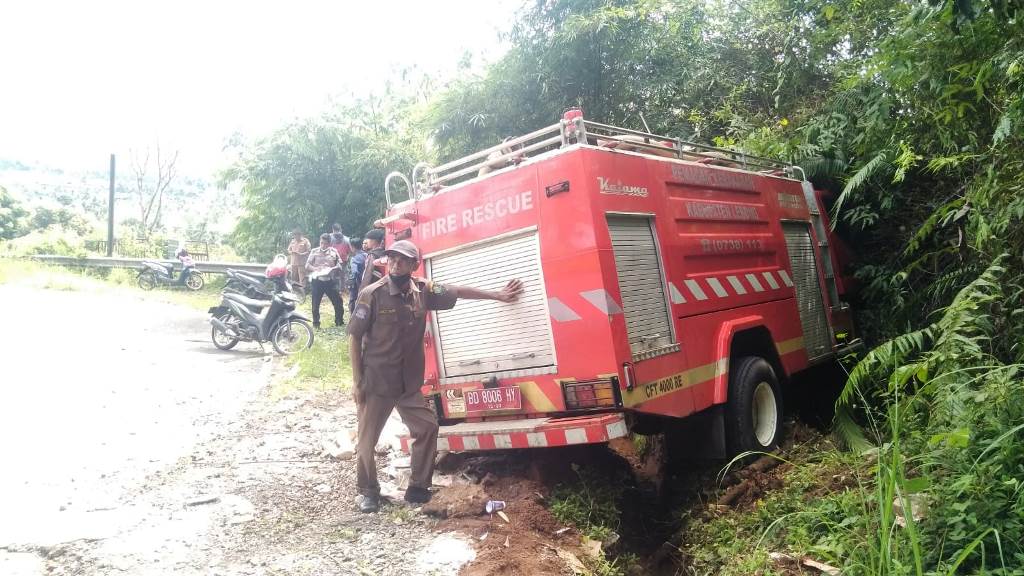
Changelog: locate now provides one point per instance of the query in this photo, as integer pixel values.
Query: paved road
(100, 389)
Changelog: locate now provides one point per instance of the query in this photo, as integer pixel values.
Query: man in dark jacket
(374, 269)
(355, 272)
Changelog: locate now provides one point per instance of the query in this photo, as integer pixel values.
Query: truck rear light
(630, 372)
(591, 394)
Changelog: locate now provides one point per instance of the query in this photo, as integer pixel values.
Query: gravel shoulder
(143, 450)
(146, 451)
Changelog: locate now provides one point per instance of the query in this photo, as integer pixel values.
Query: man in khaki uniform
(387, 328)
(298, 252)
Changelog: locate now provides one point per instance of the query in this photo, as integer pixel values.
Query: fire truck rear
(663, 279)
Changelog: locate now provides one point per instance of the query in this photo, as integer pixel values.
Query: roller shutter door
(486, 336)
(817, 337)
(641, 283)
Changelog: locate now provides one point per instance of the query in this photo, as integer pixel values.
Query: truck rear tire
(753, 415)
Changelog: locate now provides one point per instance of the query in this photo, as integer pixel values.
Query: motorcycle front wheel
(147, 280)
(220, 338)
(195, 281)
(291, 336)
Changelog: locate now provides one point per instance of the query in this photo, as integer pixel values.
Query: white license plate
(506, 398)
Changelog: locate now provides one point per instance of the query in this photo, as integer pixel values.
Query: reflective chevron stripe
(699, 289)
(549, 432)
(736, 285)
(733, 285)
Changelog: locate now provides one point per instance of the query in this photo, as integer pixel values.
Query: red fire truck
(663, 279)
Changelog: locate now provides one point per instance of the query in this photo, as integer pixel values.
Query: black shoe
(416, 495)
(368, 504)
(316, 325)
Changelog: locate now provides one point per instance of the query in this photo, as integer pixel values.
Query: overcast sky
(79, 80)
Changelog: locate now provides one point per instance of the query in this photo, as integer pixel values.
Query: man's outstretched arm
(510, 293)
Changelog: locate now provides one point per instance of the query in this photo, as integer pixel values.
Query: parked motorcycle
(258, 286)
(262, 286)
(155, 274)
(239, 318)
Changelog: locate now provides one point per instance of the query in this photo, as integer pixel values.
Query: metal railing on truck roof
(572, 129)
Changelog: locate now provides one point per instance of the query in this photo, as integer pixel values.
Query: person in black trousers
(324, 269)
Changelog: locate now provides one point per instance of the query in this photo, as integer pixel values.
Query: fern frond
(858, 179)
(930, 224)
(821, 167)
(847, 433)
(893, 353)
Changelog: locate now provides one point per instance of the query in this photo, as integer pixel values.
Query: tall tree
(312, 173)
(152, 179)
(12, 215)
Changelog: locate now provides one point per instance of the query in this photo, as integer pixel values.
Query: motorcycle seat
(250, 275)
(247, 301)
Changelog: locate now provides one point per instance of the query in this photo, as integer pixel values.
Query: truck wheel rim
(765, 414)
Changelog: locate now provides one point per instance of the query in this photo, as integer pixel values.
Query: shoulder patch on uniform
(437, 289)
(366, 294)
(361, 312)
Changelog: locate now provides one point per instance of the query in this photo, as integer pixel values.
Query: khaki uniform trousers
(299, 275)
(422, 423)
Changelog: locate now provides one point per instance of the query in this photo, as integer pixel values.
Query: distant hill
(192, 206)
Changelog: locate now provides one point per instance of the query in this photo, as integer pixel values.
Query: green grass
(30, 274)
(812, 514)
(325, 366)
(591, 504)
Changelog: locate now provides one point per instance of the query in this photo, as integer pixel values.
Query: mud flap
(528, 433)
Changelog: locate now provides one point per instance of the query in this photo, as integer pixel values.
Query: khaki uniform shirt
(320, 257)
(392, 324)
(298, 251)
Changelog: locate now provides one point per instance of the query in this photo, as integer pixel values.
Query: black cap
(375, 234)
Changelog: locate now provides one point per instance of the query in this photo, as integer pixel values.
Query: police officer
(386, 347)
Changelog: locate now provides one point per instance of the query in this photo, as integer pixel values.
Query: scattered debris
(781, 558)
(445, 554)
(561, 531)
(591, 547)
(493, 506)
(918, 506)
(338, 446)
(573, 562)
(402, 477)
(504, 517)
(205, 499)
(825, 568)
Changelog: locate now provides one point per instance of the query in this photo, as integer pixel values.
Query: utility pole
(110, 212)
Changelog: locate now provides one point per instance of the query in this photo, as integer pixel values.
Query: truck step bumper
(529, 433)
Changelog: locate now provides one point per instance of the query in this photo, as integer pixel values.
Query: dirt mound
(531, 542)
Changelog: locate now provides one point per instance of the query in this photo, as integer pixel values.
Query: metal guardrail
(200, 251)
(136, 263)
